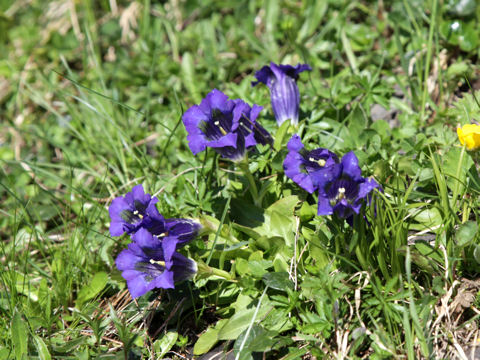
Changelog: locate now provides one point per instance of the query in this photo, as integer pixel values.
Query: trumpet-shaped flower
(469, 135)
(134, 210)
(346, 194)
(227, 126)
(284, 94)
(145, 267)
(177, 232)
(310, 169)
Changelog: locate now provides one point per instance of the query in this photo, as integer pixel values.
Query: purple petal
(197, 143)
(324, 207)
(165, 281)
(129, 257)
(116, 228)
(215, 100)
(263, 76)
(285, 99)
(326, 175)
(116, 207)
(255, 111)
(150, 245)
(182, 267)
(295, 143)
(250, 140)
(227, 140)
(169, 245)
(139, 286)
(365, 190)
(262, 136)
(144, 239)
(292, 167)
(139, 194)
(302, 67)
(350, 166)
(184, 229)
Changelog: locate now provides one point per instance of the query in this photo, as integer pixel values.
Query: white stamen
(135, 212)
(320, 162)
(161, 263)
(216, 123)
(245, 127)
(341, 190)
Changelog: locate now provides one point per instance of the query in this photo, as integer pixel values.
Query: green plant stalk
(457, 177)
(362, 247)
(429, 57)
(222, 221)
(251, 181)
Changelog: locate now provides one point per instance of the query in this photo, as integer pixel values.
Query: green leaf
(69, 346)
(258, 340)
(42, 348)
(278, 281)
(188, 77)
(466, 233)
(92, 289)
(239, 322)
(455, 166)
(163, 345)
(206, 341)
(19, 336)
(279, 219)
(314, 15)
(280, 135)
(476, 253)
(427, 219)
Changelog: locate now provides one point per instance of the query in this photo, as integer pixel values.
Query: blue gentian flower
(177, 232)
(145, 267)
(134, 210)
(284, 94)
(227, 126)
(310, 169)
(346, 194)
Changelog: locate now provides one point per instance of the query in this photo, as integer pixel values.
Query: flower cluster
(227, 126)
(341, 188)
(230, 127)
(151, 260)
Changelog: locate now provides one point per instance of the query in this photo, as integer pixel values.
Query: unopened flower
(469, 135)
(284, 94)
(227, 126)
(346, 194)
(310, 169)
(145, 267)
(134, 210)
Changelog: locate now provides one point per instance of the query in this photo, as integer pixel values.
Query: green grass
(90, 105)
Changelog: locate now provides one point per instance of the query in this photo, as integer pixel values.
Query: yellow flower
(469, 135)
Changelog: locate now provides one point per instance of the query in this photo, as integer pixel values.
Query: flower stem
(205, 271)
(253, 187)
